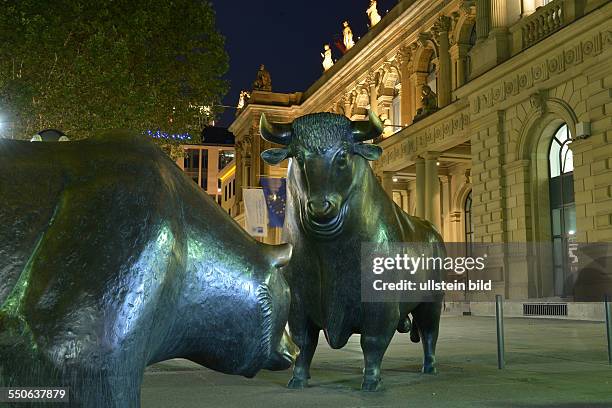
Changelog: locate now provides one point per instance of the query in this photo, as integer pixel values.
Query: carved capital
(404, 55)
(372, 78)
(424, 38)
(468, 7)
(442, 24)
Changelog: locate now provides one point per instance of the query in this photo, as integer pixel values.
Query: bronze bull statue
(112, 259)
(334, 204)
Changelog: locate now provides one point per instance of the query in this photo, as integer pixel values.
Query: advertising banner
(256, 212)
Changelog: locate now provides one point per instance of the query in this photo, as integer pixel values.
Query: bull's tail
(414, 333)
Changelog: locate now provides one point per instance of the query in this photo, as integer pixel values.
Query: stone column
(483, 19)
(373, 93)
(420, 187)
(458, 53)
(404, 194)
(498, 15)
(238, 176)
(529, 7)
(444, 73)
(387, 183)
(407, 90)
(446, 198)
(432, 188)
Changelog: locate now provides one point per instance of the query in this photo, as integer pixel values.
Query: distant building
(202, 162)
(227, 183)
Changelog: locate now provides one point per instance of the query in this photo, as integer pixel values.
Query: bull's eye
(342, 160)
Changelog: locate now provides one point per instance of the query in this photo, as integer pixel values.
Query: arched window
(562, 206)
(469, 223)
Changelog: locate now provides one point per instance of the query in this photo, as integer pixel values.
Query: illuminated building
(522, 106)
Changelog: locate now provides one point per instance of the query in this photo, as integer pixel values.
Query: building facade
(203, 162)
(518, 147)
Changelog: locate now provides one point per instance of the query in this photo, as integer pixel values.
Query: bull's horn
(279, 255)
(275, 132)
(367, 129)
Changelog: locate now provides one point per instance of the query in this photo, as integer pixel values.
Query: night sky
(285, 35)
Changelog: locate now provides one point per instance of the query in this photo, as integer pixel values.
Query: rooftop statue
(372, 13)
(118, 264)
(347, 34)
(263, 82)
(244, 96)
(327, 57)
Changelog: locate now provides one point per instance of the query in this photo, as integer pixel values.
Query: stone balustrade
(543, 22)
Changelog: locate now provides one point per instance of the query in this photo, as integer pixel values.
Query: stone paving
(549, 363)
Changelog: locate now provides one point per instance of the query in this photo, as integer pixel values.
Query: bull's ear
(369, 152)
(275, 156)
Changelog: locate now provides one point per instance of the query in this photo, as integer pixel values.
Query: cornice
(591, 22)
(245, 118)
(369, 53)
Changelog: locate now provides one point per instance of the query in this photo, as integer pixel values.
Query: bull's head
(329, 161)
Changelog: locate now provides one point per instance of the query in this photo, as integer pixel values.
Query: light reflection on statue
(372, 13)
(348, 36)
(327, 57)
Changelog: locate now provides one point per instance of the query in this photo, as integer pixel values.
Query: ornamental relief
(541, 71)
(424, 140)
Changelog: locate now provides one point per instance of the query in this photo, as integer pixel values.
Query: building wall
(500, 98)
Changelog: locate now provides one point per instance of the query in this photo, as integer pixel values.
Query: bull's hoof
(404, 325)
(297, 383)
(371, 385)
(429, 369)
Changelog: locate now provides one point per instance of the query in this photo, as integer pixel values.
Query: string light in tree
(158, 134)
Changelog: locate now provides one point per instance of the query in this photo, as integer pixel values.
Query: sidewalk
(549, 363)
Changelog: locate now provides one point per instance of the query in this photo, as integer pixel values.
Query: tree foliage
(82, 66)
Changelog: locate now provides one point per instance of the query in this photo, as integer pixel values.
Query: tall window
(562, 205)
(469, 223)
(432, 81)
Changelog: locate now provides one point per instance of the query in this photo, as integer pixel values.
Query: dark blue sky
(285, 35)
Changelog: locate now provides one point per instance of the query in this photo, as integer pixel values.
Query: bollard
(499, 316)
(608, 327)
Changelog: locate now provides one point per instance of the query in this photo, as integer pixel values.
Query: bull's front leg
(375, 338)
(427, 319)
(306, 336)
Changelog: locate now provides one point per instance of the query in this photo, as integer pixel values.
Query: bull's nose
(319, 209)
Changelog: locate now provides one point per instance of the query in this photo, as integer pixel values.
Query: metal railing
(543, 22)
